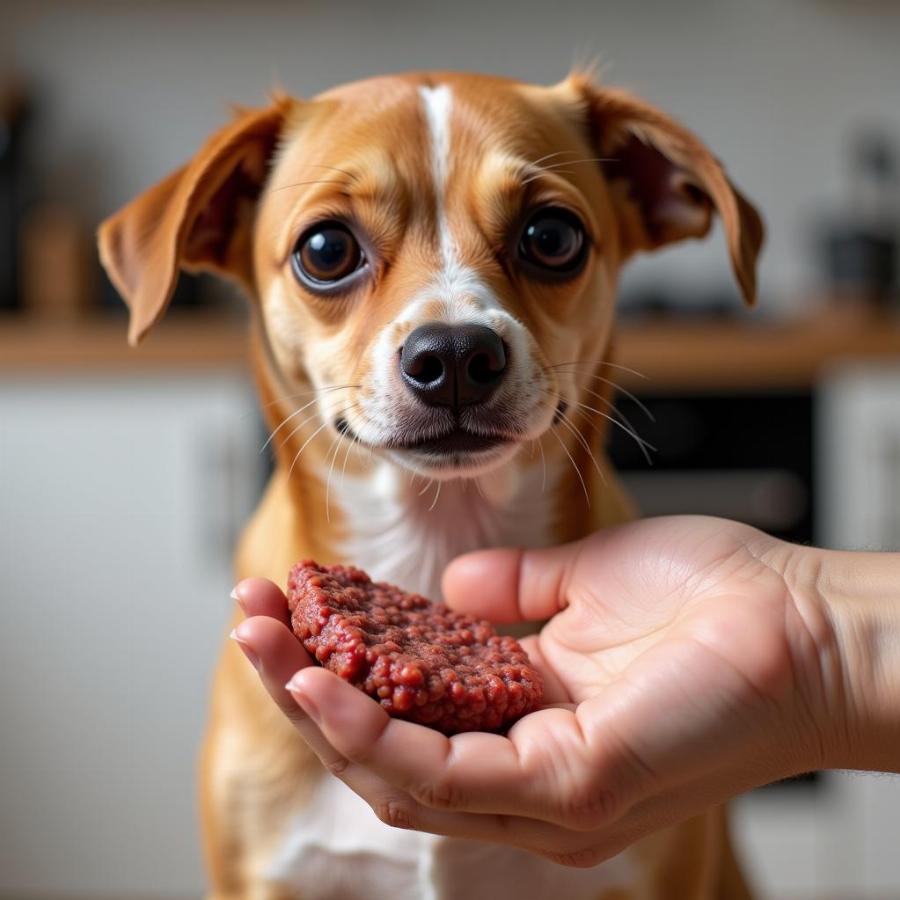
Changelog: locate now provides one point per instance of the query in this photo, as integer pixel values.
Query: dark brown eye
(326, 254)
(553, 241)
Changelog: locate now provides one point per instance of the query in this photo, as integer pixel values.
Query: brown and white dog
(432, 260)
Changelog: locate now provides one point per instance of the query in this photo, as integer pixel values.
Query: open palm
(678, 637)
(679, 669)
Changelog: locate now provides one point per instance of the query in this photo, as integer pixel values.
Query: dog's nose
(452, 365)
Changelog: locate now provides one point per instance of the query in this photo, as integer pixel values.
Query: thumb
(511, 585)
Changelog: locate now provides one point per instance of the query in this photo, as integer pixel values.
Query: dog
(432, 261)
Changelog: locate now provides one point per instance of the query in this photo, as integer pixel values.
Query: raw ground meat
(419, 659)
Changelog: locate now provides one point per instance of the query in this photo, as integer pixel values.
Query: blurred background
(126, 474)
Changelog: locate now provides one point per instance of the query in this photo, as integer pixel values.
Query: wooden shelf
(178, 343)
(674, 355)
(743, 355)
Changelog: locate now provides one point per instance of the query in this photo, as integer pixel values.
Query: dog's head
(435, 256)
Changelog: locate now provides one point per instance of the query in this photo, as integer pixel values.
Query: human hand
(682, 666)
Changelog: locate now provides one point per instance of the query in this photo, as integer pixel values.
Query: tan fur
(362, 151)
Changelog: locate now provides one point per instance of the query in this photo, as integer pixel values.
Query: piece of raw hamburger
(420, 660)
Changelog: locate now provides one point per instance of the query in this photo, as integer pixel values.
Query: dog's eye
(553, 241)
(326, 254)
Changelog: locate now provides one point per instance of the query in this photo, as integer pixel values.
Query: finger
(261, 597)
(511, 585)
(276, 653)
(400, 810)
(543, 770)
(543, 839)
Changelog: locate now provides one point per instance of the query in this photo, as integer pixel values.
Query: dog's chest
(337, 848)
(406, 531)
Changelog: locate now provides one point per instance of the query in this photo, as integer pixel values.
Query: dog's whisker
(565, 420)
(584, 159)
(428, 484)
(285, 421)
(543, 465)
(437, 494)
(300, 427)
(307, 442)
(619, 389)
(628, 428)
(615, 385)
(350, 175)
(295, 184)
(321, 390)
(297, 412)
(574, 466)
(543, 159)
(613, 409)
(547, 156)
(537, 175)
(643, 444)
(336, 445)
(616, 412)
(557, 167)
(341, 437)
(604, 363)
(305, 445)
(632, 432)
(639, 403)
(354, 440)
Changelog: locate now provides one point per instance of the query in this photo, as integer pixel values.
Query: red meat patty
(420, 660)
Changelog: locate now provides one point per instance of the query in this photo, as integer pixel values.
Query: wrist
(857, 597)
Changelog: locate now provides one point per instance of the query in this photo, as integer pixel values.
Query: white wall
(773, 85)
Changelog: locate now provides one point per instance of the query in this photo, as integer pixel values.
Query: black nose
(453, 365)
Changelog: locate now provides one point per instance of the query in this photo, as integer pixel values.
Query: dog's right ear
(199, 218)
(664, 181)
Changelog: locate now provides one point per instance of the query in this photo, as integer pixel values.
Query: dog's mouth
(454, 442)
(458, 441)
(453, 446)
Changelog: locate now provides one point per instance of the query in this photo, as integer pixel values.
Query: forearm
(860, 594)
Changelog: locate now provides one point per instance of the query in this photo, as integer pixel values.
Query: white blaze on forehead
(457, 285)
(438, 102)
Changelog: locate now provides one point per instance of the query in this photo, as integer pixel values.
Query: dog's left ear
(665, 182)
(199, 218)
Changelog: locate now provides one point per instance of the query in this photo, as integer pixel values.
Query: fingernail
(236, 597)
(303, 699)
(248, 651)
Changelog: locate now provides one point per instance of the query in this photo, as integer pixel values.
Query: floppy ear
(665, 182)
(200, 217)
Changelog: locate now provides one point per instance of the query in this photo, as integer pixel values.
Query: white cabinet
(119, 504)
(859, 456)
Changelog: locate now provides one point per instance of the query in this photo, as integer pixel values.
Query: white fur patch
(457, 285)
(406, 530)
(438, 103)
